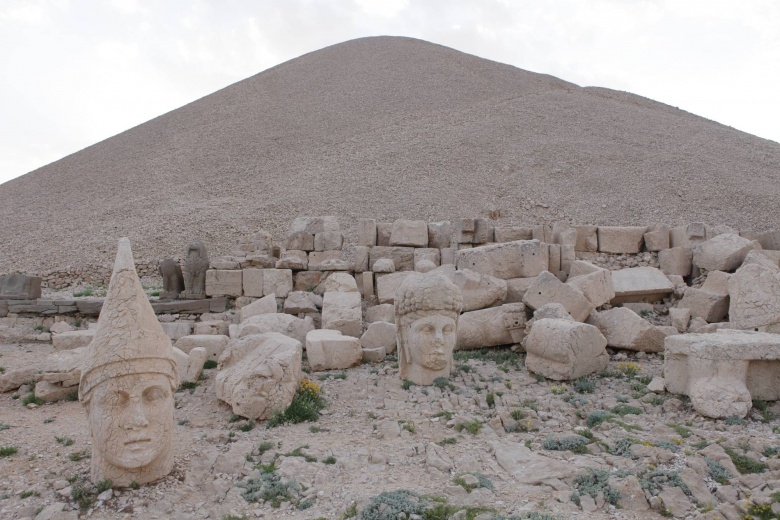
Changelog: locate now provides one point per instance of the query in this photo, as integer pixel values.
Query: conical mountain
(385, 127)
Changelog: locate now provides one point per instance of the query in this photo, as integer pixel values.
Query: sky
(75, 72)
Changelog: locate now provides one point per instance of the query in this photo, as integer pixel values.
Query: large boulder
(723, 253)
(564, 350)
(624, 329)
(286, 324)
(519, 259)
(596, 286)
(342, 311)
(331, 350)
(503, 325)
(259, 374)
(676, 261)
(711, 301)
(380, 334)
(754, 294)
(547, 288)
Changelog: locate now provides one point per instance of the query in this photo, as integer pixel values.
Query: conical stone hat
(128, 339)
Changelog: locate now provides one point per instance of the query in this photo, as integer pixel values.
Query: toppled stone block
(177, 329)
(214, 345)
(503, 325)
(657, 238)
(483, 231)
(516, 287)
(627, 239)
(704, 304)
(383, 312)
(298, 302)
(680, 318)
(278, 282)
(676, 261)
(439, 234)
(259, 374)
(294, 259)
(426, 259)
(300, 240)
(478, 290)
(386, 285)
(384, 265)
(769, 239)
(564, 350)
(281, 323)
(341, 311)
(549, 289)
(328, 241)
(688, 236)
(224, 283)
(723, 371)
(265, 305)
(331, 350)
(413, 233)
(554, 258)
(73, 339)
(214, 327)
(20, 287)
(52, 392)
(723, 253)
(380, 334)
(512, 234)
(360, 255)
(520, 259)
(315, 225)
(464, 231)
(383, 231)
(587, 239)
(252, 280)
(543, 233)
(402, 257)
(640, 284)
(189, 365)
(770, 259)
(374, 355)
(596, 286)
(754, 294)
(320, 260)
(366, 232)
(307, 280)
(624, 329)
(339, 282)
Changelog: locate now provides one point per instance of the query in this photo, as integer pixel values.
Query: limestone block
(300, 240)
(722, 371)
(596, 286)
(754, 294)
(294, 259)
(543, 233)
(580, 267)
(479, 290)
(464, 230)
(640, 284)
(360, 256)
(769, 239)
(224, 263)
(177, 329)
(629, 239)
(680, 318)
(318, 260)
(483, 231)
(516, 287)
(52, 392)
(213, 344)
(265, 305)
(380, 334)
(299, 302)
(383, 312)
(252, 280)
(723, 253)
(366, 232)
(587, 239)
(315, 225)
(224, 283)
(189, 365)
(307, 280)
(657, 238)
(20, 286)
(688, 236)
(704, 304)
(340, 282)
(13, 379)
(278, 282)
(676, 261)
(384, 265)
(568, 257)
(215, 327)
(330, 350)
(439, 234)
(424, 254)
(374, 355)
(73, 339)
(259, 374)
(341, 311)
(554, 258)
(520, 259)
(502, 325)
(413, 233)
(260, 260)
(402, 257)
(764, 257)
(549, 289)
(328, 241)
(61, 326)
(564, 350)
(512, 234)
(624, 329)
(281, 323)
(448, 256)
(383, 231)
(386, 285)
(367, 286)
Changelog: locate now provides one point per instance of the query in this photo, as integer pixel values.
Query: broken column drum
(195, 267)
(426, 316)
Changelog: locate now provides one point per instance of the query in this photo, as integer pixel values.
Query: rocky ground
(492, 436)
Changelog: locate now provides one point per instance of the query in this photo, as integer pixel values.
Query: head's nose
(135, 416)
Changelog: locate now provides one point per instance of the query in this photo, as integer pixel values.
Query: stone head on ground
(127, 384)
(427, 307)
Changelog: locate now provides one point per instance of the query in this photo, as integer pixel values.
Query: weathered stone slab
(520, 259)
(20, 287)
(383, 230)
(426, 259)
(478, 290)
(73, 339)
(383, 312)
(564, 350)
(224, 283)
(628, 239)
(213, 344)
(259, 374)
(516, 287)
(483, 231)
(413, 233)
(314, 225)
(657, 238)
(754, 294)
(177, 329)
(587, 239)
(439, 234)
(294, 259)
(366, 232)
(386, 285)
(331, 350)
(380, 334)
(464, 230)
(328, 241)
(402, 257)
(286, 324)
(278, 282)
(640, 284)
(265, 305)
(300, 240)
(547, 288)
(182, 306)
(341, 311)
(624, 329)
(90, 307)
(723, 253)
(596, 286)
(341, 282)
(769, 240)
(360, 256)
(298, 302)
(676, 261)
(512, 234)
(502, 325)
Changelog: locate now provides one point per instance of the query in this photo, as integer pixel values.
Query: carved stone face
(131, 419)
(431, 341)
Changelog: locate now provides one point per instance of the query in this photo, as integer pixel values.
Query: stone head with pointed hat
(427, 307)
(127, 384)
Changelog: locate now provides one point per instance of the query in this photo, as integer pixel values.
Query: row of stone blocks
(92, 307)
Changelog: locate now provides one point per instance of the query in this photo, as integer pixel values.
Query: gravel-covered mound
(385, 127)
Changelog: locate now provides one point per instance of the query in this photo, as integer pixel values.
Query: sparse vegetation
(472, 426)
(65, 441)
(593, 483)
(716, 470)
(209, 364)
(305, 406)
(32, 399)
(743, 463)
(505, 358)
(573, 443)
(7, 451)
(584, 385)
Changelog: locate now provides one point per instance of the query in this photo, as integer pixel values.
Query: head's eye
(426, 329)
(448, 329)
(116, 398)
(154, 393)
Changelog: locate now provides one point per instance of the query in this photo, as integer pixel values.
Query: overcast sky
(75, 72)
